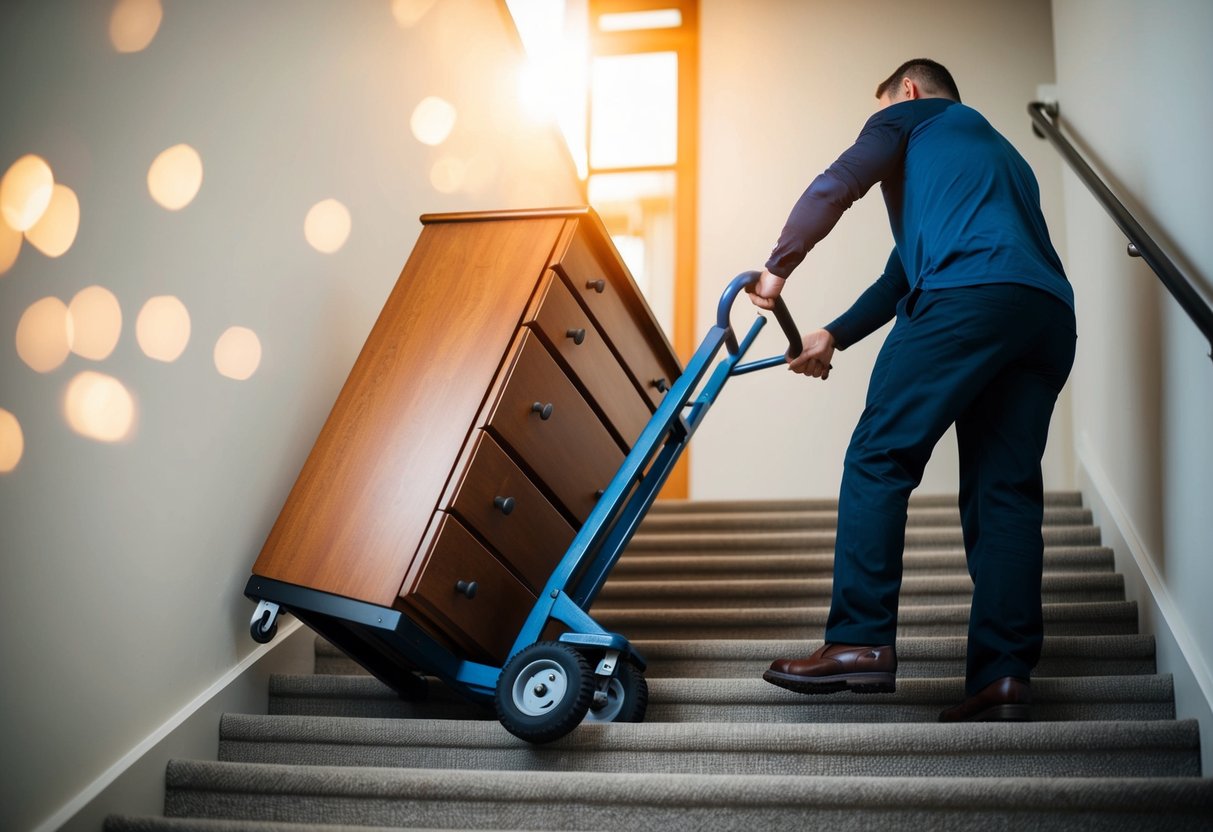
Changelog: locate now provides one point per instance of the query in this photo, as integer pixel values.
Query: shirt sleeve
(874, 155)
(874, 308)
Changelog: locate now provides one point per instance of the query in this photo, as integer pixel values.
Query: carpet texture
(710, 593)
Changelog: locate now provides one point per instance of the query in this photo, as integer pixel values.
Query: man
(983, 339)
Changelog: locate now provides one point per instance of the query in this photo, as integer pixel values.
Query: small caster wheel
(264, 625)
(627, 697)
(544, 692)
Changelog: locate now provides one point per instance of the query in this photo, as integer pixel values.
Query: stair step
(1091, 749)
(130, 823)
(675, 802)
(1051, 499)
(742, 543)
(651, 565)
(788, 592)
(1115, 655)
(1102, 618)
(828, 519)
(739, 700)
(1120, 655)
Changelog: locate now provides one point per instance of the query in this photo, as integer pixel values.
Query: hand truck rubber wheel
(627, 697)
(544, 692)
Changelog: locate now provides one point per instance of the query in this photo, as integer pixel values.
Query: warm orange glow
(25, 192)
(99, 407)
(552, 83)
(96, 322)
(55, 232)
(447, 174)
(175, 177)
(238, 353)
(408, 12)
(163, 328)
(44, 335)
(134, 23)
(12, 441)
(327, 226)
(433, 120)
(10, 246)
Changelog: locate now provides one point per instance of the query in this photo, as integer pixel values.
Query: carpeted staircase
(710, 593)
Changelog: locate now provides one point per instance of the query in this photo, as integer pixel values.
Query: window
(622, 76)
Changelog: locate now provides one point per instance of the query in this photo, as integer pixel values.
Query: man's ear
(909, 89)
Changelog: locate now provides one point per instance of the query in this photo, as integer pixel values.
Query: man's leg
(944, 349)
(1001, 439)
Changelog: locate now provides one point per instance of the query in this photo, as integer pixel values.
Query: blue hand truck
(546, 688)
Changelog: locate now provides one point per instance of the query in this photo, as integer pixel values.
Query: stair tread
(1051, 498)
(444, 783)
(1152, 687)
(1094, 749)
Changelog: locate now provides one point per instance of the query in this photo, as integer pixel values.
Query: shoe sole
(814, 685)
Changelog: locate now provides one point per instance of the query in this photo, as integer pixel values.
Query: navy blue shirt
(963, 205)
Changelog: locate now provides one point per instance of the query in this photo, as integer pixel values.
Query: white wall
(1132, 83)
(787, 84)
(123, 564)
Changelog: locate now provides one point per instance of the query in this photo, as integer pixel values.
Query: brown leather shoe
(1005, 700)
(836, 667)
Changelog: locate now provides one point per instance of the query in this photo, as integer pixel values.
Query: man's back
(965, 206)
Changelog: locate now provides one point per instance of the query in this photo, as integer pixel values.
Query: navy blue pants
(990, 359)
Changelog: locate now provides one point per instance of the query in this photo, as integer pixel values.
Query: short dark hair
(933, 77)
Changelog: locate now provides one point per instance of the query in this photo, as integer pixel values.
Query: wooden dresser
(512, 367)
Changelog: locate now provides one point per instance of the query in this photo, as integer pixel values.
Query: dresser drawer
(651, 365)
(498, 501)
(595, 369)
(542, 419)
(490, 620)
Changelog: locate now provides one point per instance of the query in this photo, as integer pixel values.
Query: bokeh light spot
(99, 407)
(134, 23)
(25, 192)
(327, 226)
(175, 176)
(54, 233)
(447, 174)
(238, 353)
(432, 121)
(44, 335)
(95, 322)
(163, 328)
(10, 246)
(12, 441)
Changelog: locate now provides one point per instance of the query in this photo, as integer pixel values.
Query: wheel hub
(539, 687)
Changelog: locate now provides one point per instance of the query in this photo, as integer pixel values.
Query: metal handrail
(1141, 244)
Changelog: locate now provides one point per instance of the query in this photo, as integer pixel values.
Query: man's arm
(874, 308)
(875, 155)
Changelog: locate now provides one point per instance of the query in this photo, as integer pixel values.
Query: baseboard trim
(1162, 599)
(135, 783)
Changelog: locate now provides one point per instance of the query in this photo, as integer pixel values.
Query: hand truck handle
(743, 281)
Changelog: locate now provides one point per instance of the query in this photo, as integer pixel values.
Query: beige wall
(1132, 83)
(123, 564)
(787, 84)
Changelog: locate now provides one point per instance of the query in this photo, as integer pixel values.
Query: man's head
(917, 78)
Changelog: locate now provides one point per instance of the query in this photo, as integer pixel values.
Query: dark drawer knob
(598, 494)
(506, 504)
(661, 384)
(598, 286)
(578, 336)
(544, 410)
(467, 588)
